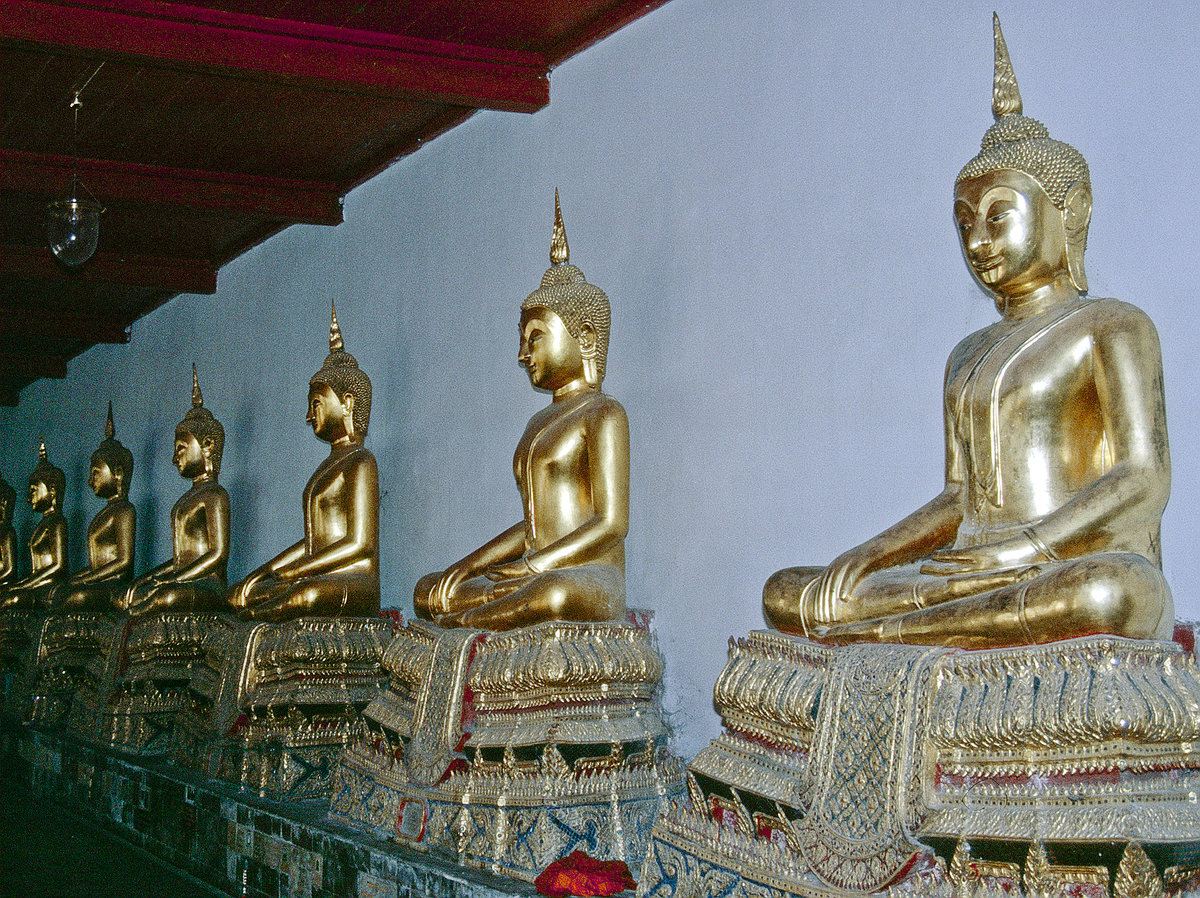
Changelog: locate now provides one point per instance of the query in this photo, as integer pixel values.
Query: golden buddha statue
(110, 542)
(194, 578)
(334, 570)
(47, 543)
(1057, 467)
(566, 559)
(8, 535)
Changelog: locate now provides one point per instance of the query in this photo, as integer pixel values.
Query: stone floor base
(240, 844)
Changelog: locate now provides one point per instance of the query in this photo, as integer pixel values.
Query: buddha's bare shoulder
(1115, 318)
(602, 407)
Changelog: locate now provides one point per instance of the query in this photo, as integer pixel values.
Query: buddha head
(339, 395)
(112, 464)
(1044, 187)
(581, 307)
(8, 501)
(46, 484)
(199, 438)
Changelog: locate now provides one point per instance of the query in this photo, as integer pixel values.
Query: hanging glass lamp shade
(73, 227)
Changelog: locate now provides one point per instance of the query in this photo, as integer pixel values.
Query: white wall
(763, 189)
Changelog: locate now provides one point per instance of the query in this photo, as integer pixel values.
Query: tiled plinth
(230, 839)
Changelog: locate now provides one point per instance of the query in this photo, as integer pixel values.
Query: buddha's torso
(1025, 412)
(330, 503)
(104, 538)
(48, 541)
(8, 553)
(554, 474)
(192, 521)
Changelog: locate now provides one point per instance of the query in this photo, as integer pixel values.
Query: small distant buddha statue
(566, 559)
(1057, 467)
(193, 579)
(110, 535)
(8, 535)
(334, 570)
(47, 543)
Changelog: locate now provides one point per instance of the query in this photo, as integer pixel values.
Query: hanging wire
(75, 106)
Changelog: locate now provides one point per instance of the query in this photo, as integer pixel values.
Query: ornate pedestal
(146, 690)
(1064, 769)
(288, 699)
(511, 749)
(19, 632)
(71, 658)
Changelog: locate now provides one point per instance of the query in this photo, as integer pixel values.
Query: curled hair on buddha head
(1024, 144)
(200, 423)
(118, 458)
(565, 292)
(342, 375)
(8, 498)
(52, 476)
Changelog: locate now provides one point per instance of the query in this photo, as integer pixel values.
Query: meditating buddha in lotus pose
(1057, 468)
(8, 535)
(47, 543)
(194, 578)
(334, 570)
(566, 559)
(110, 535)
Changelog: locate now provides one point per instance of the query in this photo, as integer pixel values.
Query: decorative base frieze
(508, 751)
(288, 699)
(841, 770)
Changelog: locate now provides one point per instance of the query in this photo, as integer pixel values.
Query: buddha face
(331, 417)
(102, 480)
(550, 355)
(1013, 236)
(40, 496)
(188, 457)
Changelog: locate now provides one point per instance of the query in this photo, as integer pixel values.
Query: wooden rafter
(32, 365)
(123, 269)
(293, 201)
(273, 49)
(23, 322)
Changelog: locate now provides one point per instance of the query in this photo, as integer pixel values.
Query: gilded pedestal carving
(71, 660)
(511, 749)
(273, 705)
(840, 766)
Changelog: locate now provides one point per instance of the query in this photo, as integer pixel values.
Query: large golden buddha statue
(193, 579)
(47, 543)
(110, 535)
(334, 570)
(8, 535)
(566, 559)
(1057, 468)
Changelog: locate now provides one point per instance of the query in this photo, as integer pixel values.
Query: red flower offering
(583, 876)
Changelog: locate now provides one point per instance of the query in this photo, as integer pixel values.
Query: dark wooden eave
(214, 125)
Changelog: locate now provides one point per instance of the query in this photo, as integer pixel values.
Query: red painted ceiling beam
(27, 364)
(59, 324)
(337, 58)
(294, 201)
(119, 269)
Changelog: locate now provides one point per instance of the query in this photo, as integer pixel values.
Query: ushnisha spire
(109, 430)
(197, 396)
(1006, 96)
(336, 343)
(560, 251)
(42, 450)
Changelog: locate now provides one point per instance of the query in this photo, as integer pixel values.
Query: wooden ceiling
(212, 126)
